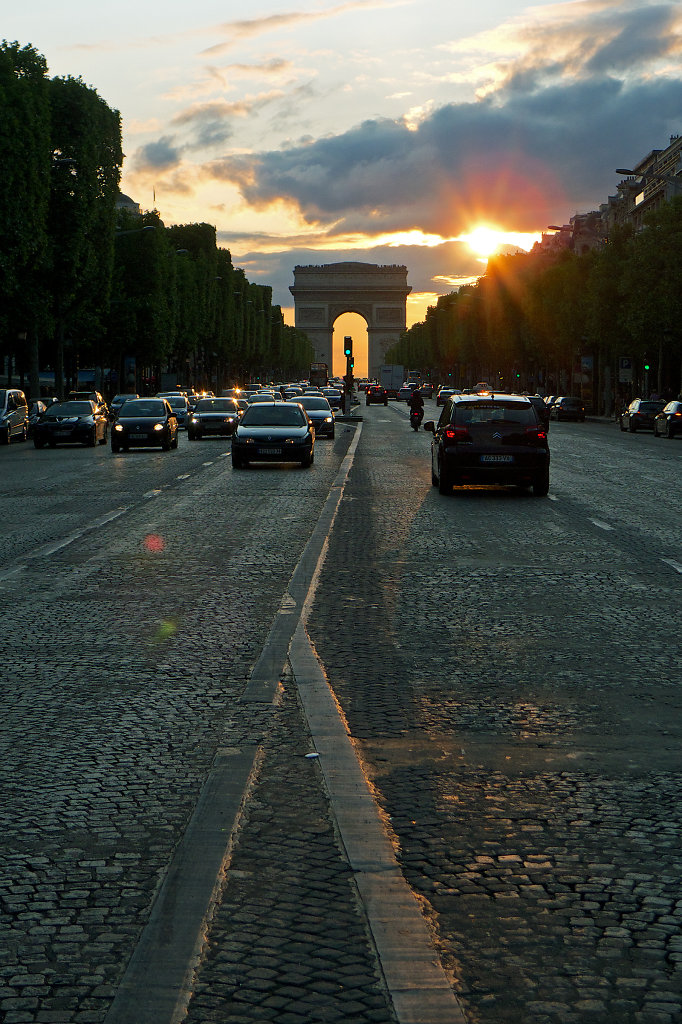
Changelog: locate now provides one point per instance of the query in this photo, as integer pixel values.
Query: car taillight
(457, 434)
(537, 432)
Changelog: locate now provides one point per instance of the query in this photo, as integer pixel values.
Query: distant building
(656, 179)
(126, 203)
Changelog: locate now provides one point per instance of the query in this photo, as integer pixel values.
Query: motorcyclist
(416, 404)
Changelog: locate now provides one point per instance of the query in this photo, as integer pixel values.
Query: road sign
(625, 370)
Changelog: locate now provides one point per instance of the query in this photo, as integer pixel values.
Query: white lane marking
(152, 494)
(50, 549)
(602, 526)
(11, 572)
(675, 565)
(206, 463)
(183, 476)
(552, 497)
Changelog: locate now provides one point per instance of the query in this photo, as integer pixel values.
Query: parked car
(483, 439)
(640, 414)
(145, 423)
(320, 412)
(72, 422)
(273, 432)
(376, 394)
(217, 417)
(568, 408)
(668, 422)
(13, 415)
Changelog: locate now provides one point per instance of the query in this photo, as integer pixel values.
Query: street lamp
(670, 179)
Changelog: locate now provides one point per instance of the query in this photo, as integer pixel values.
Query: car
(71, 422)
(541, 408)
(181, 407)
(116, 403)
(641, 414)
(426, 390)
(13, 415)
(568, 408)
(145, 423)
(320, 412)
(333, 396)
(405, 393)
(489, 439)
(273, 432)
(213, 416)
(443, 395)
(35, 411)
(668, 422)
(376, 394)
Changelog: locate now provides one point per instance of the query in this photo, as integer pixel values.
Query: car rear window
(494, 412)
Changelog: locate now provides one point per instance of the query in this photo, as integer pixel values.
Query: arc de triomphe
(378, 294)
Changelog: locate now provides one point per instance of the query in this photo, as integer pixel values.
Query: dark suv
(489, 439)
(376, 394)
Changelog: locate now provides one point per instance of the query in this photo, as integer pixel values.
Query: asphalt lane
(509, 672)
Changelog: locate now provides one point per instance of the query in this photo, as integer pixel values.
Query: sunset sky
(381, 131)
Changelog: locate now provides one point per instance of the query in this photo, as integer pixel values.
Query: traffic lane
(54, 493)
(514, 696)
(128, 660)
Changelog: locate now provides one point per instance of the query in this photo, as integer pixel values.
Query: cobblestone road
(508, 668)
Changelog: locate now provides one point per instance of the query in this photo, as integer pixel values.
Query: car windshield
(494, 412)
(273, 416)
(177, 403)
(68, 409)
(215, 405)
(143, 407)
(313, 403)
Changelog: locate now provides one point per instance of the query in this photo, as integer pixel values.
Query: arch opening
(355, 325)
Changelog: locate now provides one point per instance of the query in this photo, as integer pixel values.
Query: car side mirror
(430, 426)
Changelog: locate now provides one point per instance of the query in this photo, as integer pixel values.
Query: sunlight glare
(485, 240)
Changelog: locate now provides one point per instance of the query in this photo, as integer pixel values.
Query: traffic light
(647, 366)
(352, 363)
(347, 346)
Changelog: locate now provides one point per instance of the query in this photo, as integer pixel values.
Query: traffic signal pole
(348, 378)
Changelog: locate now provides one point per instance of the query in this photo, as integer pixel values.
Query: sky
(377, 131)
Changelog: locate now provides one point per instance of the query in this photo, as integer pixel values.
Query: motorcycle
(416, 417)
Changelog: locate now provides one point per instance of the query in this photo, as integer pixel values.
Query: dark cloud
(517, 161)
(160, 155)
(646, 35)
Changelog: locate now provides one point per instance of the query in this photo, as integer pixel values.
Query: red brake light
(457, 434)
(537, 432)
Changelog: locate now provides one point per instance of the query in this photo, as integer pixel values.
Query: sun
(484, 240)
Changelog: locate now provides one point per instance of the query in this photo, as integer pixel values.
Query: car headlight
(195, 419)
(328, 419)
(117, 426)
(159, 426)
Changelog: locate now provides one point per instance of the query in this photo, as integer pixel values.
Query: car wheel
(444, 482)
(92, 438)
(541, 485)
(631, 427)
(6, 437)
(367, 402)
(165, 445)
(37, 443)
(191, 436)
(115, 448)
(237, 463)
(332, 435)
(669, 432)
(622, 426)
(307, 461)
(52, 443)
(174, 442)
(434, 478)
(385, 401)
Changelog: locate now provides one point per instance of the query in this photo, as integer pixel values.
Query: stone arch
(378, 294)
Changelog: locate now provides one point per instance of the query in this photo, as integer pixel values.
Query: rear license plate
(271, 451)
(497, 458)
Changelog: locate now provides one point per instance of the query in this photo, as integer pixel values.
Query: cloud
(248, 27)
(160, 155)
(210, 123)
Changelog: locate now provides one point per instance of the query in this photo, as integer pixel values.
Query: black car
(640, 414)
(668, 422)
(320, 412)
(216, 417)
(273, 432)
(489, 439)
(376, 394)
(71, 423)
(443, 395)
(541, 409)
(567, 408)
(116, 403)
(145, 423)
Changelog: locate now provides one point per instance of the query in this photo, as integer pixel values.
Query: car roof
(495, 396)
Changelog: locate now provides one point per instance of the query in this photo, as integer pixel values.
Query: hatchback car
(71, 423)
(273, 432)
(640, 415)
(376, 394)
(216, 417)
(181, 407)
(116, 403)
(668, 422)
(443, 395)
(145, 423)
(489, 439)
(320, 412)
